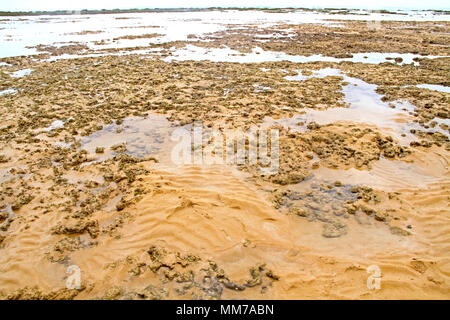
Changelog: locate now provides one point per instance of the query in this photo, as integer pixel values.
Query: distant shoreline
(153, 10)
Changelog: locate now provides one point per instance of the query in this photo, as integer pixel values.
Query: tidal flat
(89, 104)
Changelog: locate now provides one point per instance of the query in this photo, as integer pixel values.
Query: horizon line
(444, 9)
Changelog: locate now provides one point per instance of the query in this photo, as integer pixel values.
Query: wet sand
(87, 176)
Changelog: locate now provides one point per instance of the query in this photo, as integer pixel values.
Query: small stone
(298, 211)
(3, 215)
(380, 216)
(313, 126)
(351, 209)
(121, 205)
(333, 230)
(399, 231)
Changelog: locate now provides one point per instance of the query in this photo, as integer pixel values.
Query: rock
(419, 266)
(121, 205)
(313, 126)
(334, 230)
(399, 231)
(113, 293)
(389, 152)
(367, 210)
(380, 216)
(3, 158)
(120, 148)
(351, 208)
(3, 215)
(233, 286)
(78, 227)
(285, 179)
(23, 200)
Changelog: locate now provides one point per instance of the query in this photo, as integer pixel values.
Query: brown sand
(349, 194)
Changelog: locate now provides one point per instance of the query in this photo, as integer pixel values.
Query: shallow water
(365, 106)
(8, 91)
(434, 87)
(5, 175)
(151, 137)
(142, 52)
(385, 174)
(257, 55)
(57, 124)
(216, 212)
(18, 34)
(144, 137)
(21, 73)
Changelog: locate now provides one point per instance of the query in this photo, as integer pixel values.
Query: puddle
(325, 195)
(259, 88)
(142, 52)
(8, 91)
(77, 177)
(57, 124)
(366, 107)
(111, 204)
(387, 175)
(5, 175)
(258, 55)
(320, 196)
(10, 213)
(434, 87)
(320, 202)
(144, 137)
(21, 73)
(321, 73)
(9, 173)
(63, 144)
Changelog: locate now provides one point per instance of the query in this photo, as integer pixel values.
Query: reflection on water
(57, 124)
(434, 87)
(7, 91)
(143, 137)
(257, 55)
(21, 73)
(18, 35)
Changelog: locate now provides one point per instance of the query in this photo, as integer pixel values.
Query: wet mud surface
(87, 176)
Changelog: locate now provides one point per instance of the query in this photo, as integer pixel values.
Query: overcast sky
(15, 5)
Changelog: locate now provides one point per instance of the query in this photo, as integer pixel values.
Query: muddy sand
(88, 182)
